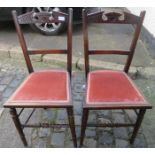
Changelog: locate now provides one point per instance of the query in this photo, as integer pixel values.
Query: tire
(48, 29)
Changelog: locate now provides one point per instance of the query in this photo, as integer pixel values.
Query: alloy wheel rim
(47, 27)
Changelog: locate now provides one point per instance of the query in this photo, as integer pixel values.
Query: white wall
(149, 21)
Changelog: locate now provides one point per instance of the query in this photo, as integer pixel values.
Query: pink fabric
(44, 86)
(111, 86)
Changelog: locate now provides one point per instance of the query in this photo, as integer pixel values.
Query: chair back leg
(72, 124)
(83, 125)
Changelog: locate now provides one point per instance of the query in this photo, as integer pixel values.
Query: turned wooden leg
(72, 124)
(83, 125)
(137, 125)
(17, 123)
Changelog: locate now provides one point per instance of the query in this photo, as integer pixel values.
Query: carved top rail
(110, 16)
(43, 17)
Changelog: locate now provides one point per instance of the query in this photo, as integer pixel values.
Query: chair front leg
(83, 125)
(17, 123)
(137, 125)
(72, 124)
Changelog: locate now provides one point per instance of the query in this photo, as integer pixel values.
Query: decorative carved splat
(25, 18)
(33, 17)
(110, 15)
(43, 17)
(113, 16)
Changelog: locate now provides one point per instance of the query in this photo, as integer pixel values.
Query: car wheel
(46, 28)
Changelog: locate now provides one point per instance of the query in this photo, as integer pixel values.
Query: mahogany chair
(107, 89)
(43, 89)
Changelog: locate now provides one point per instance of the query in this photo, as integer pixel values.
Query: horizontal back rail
(33, 52)
(94, 52)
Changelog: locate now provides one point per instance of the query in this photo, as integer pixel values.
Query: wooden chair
(43, 89)
(107, 89)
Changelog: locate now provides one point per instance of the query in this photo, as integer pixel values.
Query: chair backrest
(54, 17)
(111, 17)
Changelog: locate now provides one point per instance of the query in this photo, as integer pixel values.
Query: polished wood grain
(98, 90)
(34, 92)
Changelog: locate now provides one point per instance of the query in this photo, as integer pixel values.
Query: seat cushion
(112, 87)
(47, 88)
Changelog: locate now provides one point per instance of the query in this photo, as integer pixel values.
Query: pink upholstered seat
(42, 89)
(111, 88)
